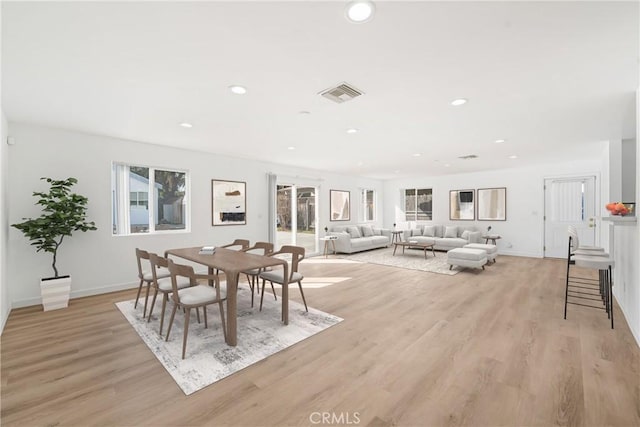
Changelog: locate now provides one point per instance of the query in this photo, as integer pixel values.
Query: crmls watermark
(331, 418)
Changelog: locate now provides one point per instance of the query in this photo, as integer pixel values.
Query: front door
(568, 201)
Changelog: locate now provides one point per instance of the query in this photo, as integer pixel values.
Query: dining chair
(145, 275)
(277, 275)
(242, 243)
(259, 248)
(163, 285)
(194, 296)
(236, 245)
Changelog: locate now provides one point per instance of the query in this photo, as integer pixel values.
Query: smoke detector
(341, 93)
(470, 156)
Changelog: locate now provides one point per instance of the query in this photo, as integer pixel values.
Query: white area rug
(412, 259)
(209, 358)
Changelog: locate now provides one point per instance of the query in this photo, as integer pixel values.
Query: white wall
(100, 262)
(626, 276)
(5, 301)
(628, 155)
(523, 231)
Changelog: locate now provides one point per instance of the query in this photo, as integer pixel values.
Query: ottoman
(491, 250)
(465, 257)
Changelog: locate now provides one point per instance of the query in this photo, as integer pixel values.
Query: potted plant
(63, 213)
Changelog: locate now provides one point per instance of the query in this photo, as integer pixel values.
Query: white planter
(55, 292)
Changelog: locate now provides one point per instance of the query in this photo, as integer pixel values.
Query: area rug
(412, 259)
(209, 359)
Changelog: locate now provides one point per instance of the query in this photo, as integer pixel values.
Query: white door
(568, 201)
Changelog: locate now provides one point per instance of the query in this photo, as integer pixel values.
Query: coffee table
(414, 244)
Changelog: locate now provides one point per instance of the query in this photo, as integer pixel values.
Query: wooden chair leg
(173, 315)
(224, 325)
(262, 294)
(204, 309)
(198, 314)
(153, 303)
(146, 299)
(274, 291)
(186, 331)
(303, 299)
(165, 297)
(138, 295)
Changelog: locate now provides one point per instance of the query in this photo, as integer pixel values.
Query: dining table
(232, 263)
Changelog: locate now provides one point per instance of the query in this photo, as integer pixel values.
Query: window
(368, 205)
(148, 200)
(418, 204)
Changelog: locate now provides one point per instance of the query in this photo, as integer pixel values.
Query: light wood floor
(481, 348)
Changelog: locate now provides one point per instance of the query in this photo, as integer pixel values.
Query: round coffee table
(326, 241)
(396, 236)
(492, 238)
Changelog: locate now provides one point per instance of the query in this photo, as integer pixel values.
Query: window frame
(151, 201)
(363, 204)
(415, 211)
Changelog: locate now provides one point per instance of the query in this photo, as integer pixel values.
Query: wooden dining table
(232, 263)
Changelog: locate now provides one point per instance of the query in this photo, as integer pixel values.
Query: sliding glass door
(296, 210)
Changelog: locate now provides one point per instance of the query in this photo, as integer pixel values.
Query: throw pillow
(429, 231)
(451, 232)
(465, 234)
(366, 231)
(354, 232)
(416, 232)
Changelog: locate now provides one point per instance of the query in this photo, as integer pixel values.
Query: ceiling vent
(341, 93)
(470, 156)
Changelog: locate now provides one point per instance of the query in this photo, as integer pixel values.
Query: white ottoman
(464, 257)
(491, 250)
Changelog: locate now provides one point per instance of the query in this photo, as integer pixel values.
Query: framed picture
(228, 202)
(462, 205)
(339, 205)
(492, 204)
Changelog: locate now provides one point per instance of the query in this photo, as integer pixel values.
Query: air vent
(341, 93)
(470, 156)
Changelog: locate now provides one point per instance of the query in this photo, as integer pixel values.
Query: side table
(326, 241)
(491, 238)
(396, 236)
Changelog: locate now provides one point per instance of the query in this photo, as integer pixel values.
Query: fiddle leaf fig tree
(63, 213)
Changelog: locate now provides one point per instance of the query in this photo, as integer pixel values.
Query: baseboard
(635, 333)
(521, 254)
(4, 321)
(79, 294)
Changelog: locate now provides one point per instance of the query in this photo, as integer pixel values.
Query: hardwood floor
(481, 348)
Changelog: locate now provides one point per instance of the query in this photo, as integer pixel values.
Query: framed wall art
(492, 204)
(339, 205)
(462, 205)
(228, 202)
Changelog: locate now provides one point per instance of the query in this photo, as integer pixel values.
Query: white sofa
(444, 237)
(361, 237)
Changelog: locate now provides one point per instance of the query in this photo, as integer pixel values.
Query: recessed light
(458, 102)
(416, 154)
(352, 130)
(304, 112)
(360, 163)
(446, 165)
(359, 12)
(186, 125)
(238, 90)
(291, 148)
(513, 156)
(499, 141)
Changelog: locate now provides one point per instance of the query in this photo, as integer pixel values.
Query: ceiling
(552, 79)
